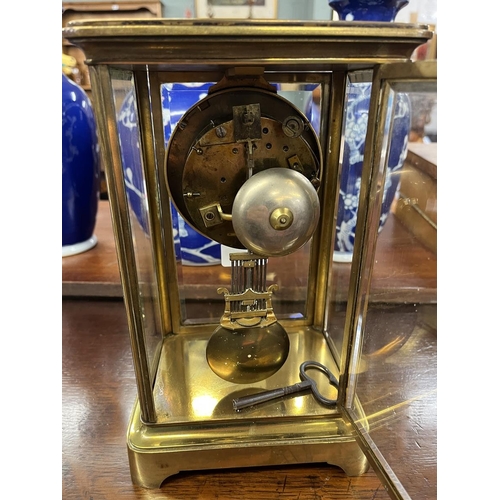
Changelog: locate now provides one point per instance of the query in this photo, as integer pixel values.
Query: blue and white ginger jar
(355, 128)
(356, 122)
(191, 247)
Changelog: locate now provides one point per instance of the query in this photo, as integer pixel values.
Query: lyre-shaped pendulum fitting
(249, 345)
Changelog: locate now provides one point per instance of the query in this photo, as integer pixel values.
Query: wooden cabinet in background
(85, 11)
(417, 204)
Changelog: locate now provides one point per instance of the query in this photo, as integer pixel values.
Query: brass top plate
(193, 44)
(244, 27)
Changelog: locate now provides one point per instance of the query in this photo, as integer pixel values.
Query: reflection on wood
(398, 392)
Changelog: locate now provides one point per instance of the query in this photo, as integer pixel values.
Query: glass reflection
(397, 369)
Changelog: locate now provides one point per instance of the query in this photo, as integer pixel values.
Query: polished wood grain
(98, 391)
(95, 272)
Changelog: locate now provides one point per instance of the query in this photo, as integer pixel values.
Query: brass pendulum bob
(249, 345)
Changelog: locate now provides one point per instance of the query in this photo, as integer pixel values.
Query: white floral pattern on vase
(196, 249)
(177, 98)
(356, 122)
(191, 248)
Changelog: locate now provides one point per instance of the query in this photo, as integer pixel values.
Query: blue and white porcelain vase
(177, 98)
(367, 10)
(191, 247)
(356, 122)
(80, 170)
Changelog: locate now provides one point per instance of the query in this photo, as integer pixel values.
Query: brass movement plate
(207, 159)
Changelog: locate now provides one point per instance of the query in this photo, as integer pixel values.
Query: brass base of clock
(155, 454)
(197, 427)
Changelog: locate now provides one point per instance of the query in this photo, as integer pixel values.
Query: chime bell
(275, 212)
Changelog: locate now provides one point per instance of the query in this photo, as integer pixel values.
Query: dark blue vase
(80, 170)
(367, 10)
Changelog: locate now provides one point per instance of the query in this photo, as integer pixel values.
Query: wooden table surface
(98, 394)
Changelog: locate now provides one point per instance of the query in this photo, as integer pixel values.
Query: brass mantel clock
(258, 360)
